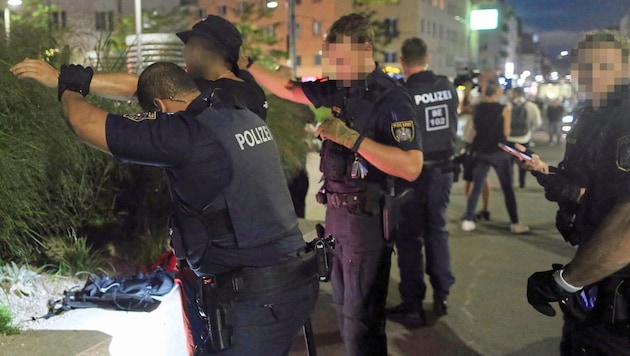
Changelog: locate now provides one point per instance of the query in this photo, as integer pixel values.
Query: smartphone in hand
(514, 152)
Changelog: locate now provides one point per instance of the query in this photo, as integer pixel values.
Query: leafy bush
(18, 280)
(145, 249)
(72, 255)
(286, 121)
(6, 325)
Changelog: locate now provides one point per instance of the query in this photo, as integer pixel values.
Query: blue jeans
(502, 164)
(424, 223)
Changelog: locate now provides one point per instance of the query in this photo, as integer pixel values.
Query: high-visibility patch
(623, 153)
(403, 130)
(141, 116)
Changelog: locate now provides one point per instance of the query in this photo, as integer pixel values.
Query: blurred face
(198, 58)
(347, 62)
(599, 70)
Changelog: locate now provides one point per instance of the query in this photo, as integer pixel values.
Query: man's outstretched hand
(36, 69)
(74, 78)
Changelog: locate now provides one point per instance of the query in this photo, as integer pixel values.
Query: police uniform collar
(370, 79)
(200, 103)
(422, 76)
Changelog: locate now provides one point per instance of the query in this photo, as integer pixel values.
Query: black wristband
(357, 143)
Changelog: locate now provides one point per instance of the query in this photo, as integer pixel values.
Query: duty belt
(266, 280)
(442, 166)
(341, 199)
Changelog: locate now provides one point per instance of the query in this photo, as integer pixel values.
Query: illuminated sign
(487, 19)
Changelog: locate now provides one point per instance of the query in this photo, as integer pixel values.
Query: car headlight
(567, 119)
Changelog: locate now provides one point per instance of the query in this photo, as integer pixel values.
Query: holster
(217, 309)
(615, 305)
(323, 247)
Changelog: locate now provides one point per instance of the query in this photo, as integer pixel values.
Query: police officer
(211, 52)
(234, 222)
(424, 216)
(371, 136)
(593, 287)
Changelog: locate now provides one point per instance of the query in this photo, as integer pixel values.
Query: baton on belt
(309, 338)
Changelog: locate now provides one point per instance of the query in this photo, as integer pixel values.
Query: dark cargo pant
(360, 276)
(424, 223)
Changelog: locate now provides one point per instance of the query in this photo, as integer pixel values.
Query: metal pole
(292, 35)
(7, 22)
(309, 338)
(138, 10)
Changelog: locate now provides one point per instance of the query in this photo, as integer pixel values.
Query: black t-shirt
(488, 120)
(554, 113)
(246, 93)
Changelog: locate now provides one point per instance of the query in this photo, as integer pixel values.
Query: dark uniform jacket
(378, 108)
(217, 159)
(436, 104)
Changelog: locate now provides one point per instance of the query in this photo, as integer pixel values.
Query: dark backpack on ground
(520, 122)
(118, 293)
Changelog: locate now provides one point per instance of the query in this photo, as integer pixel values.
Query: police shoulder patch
(141, 116)
(403, 130)
(623, 153)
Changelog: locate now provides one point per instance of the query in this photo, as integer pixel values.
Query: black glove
(74, 78)
(543, 289)
(558, 188)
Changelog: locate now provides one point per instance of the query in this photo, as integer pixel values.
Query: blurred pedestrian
(524, 120)
(555, 113)
(466, 109)
(492, 124)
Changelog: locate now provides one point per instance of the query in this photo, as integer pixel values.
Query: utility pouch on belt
(616, 304)
(217, 311)
(334, 161)
(323, 247)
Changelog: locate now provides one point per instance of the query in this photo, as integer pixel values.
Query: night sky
(559, 23)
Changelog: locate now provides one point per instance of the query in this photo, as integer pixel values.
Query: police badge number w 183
(141, 116)
(403, 131)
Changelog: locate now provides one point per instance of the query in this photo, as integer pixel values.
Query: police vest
(436, 106)
(357, 108)
(256, 202)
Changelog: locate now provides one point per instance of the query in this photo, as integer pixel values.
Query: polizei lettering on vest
(252, 137)
(426, 98)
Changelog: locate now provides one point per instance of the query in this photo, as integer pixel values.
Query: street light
(138, 11)
(291, 31)
(7, 17)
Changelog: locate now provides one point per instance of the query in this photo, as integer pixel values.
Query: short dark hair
(355, 26)
(492, 88)
(162, 80)
(414, 51)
